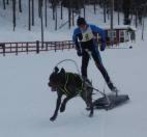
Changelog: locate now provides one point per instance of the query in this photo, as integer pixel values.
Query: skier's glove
(102, 47)
(103, 44)
(79, 53)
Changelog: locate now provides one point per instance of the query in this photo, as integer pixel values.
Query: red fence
(36, 46)
(19, 47)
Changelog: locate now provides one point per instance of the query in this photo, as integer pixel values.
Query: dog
(70, 85)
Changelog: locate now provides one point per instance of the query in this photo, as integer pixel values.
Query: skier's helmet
(81, 21)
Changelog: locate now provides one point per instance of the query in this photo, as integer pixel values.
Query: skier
(84, 37)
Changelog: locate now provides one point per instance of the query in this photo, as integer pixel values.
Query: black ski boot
(112, 87)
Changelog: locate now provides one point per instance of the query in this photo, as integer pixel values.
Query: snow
(27, 103)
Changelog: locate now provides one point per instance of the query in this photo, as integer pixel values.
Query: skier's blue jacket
(87, 39)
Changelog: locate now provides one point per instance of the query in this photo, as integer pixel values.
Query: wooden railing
(37, 46)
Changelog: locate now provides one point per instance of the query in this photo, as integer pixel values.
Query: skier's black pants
(97, 58)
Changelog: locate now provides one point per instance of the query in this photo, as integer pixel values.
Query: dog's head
(56, 79)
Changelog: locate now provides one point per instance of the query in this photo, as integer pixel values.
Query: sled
(110, 101)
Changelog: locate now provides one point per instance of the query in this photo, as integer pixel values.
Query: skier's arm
(75, 39)
(102, 34)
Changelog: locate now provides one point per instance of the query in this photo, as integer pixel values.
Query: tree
(75, 4)
(14, 13)
(45, 13)
(126, 11)
(29, 15)
(33, 17)
(4, 4)
(20, 7)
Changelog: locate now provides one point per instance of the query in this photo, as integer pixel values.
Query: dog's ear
(56, 69)
(62, 71)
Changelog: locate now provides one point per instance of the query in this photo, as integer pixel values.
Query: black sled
(110, 101)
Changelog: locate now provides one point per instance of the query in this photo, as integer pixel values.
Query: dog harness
(65, 90)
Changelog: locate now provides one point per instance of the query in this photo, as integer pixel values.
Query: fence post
(37, 46)
(3, 47)
(16, 48)
(62, 45)
(27, 47)
(55, 46)
(46, 46)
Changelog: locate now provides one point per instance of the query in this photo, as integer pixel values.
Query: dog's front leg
(57, 108)
(91, 109)
(89, 101)
(63, 105)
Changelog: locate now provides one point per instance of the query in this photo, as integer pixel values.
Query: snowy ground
(26, 102)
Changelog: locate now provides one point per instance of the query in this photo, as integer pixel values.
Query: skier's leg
(85, 61)
(98, 61)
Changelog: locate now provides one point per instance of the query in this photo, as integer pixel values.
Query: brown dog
(71, 85)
